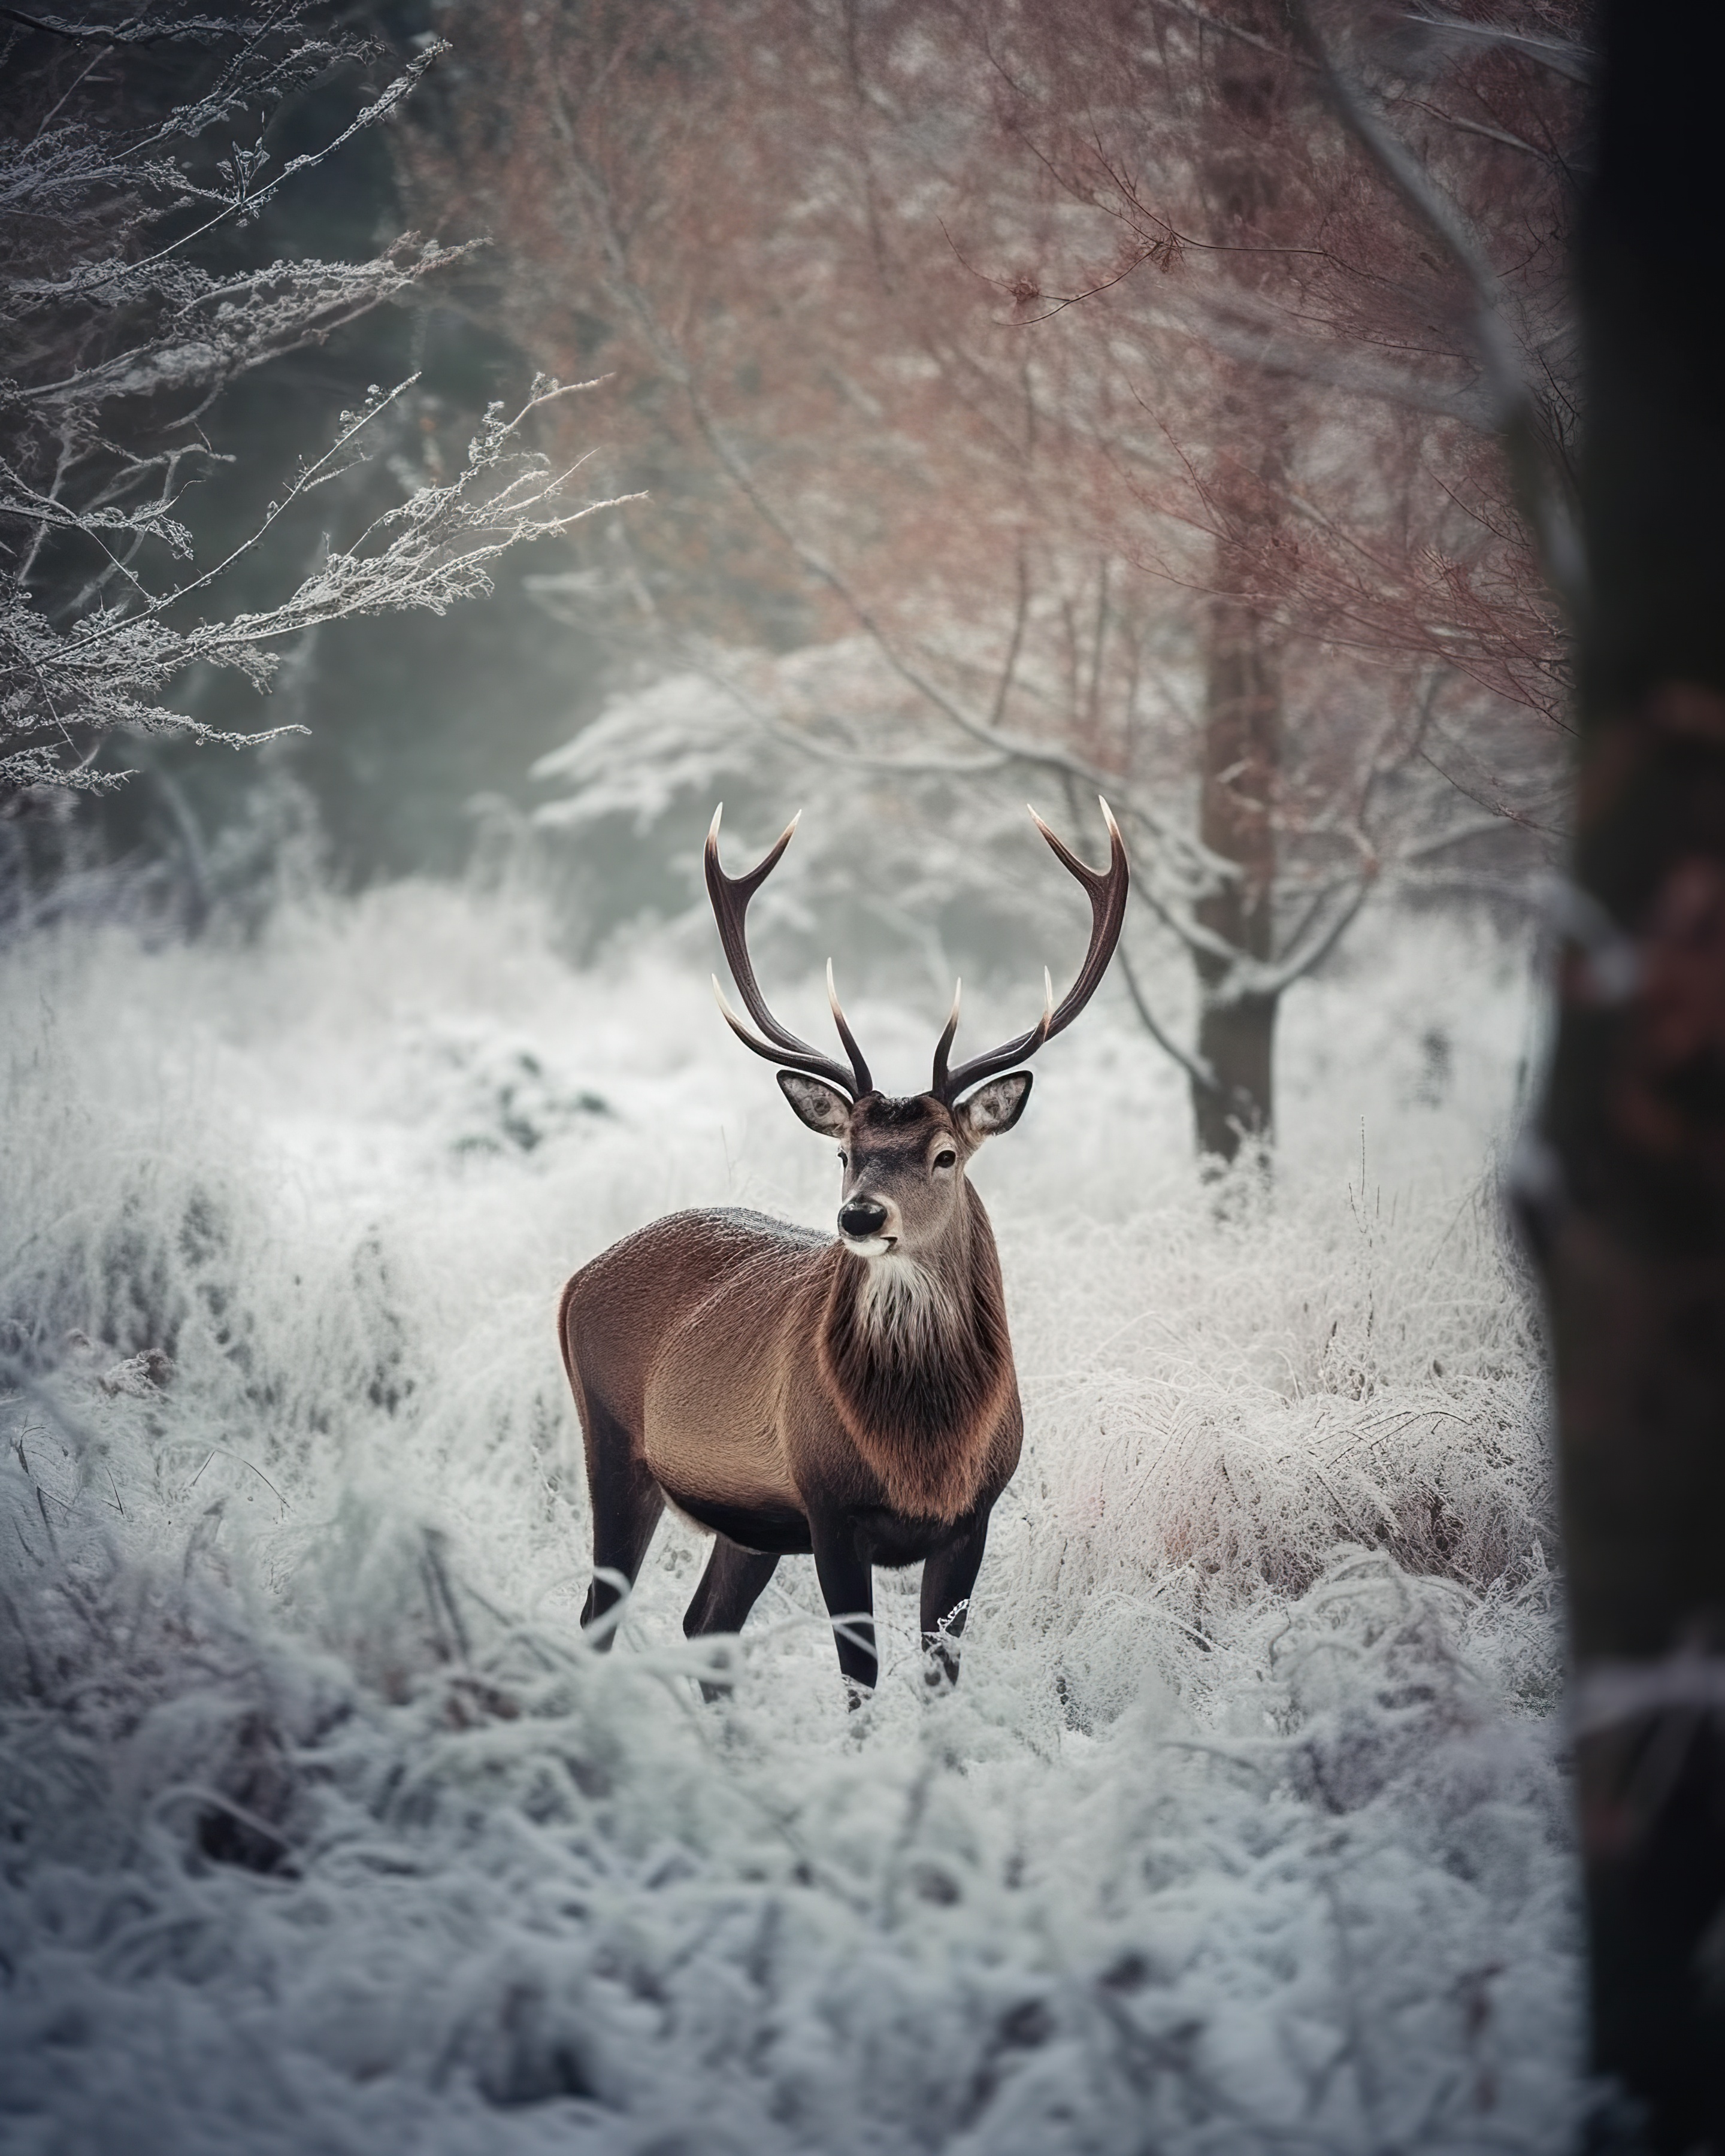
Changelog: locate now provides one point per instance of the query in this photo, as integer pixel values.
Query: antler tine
(942, 1047)
(865, 1083)
(818, 1066)
(1107, 890)
(731, 896)
(787, 1058)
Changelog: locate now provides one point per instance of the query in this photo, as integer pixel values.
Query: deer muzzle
(862, 1221)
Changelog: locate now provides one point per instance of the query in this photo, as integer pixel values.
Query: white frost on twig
(116, 329)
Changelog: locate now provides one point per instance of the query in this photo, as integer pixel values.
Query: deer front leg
(948, 1577)
(847, 1587)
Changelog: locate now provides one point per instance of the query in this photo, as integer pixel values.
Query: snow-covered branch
(108, 667)
(122, 329)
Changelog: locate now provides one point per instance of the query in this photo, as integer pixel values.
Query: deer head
(904, 1160)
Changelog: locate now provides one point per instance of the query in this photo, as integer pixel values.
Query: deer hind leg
(627, 1504)
(948, 1576)
(729, 1588)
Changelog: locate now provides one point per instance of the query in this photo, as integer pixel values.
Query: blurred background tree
(1623, 1179)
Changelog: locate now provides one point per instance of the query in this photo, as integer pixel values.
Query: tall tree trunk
(1624, 1189)
(1241, 759)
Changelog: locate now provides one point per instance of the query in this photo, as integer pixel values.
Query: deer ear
(994, 1107)
(823, 1107)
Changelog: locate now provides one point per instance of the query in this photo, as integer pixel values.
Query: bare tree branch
(1515, 413)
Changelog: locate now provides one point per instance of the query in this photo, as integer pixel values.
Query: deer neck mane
(915, 1354)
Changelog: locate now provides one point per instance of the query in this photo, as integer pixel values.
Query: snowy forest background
(982, 401)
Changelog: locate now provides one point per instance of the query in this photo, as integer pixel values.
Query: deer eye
(947, 1159)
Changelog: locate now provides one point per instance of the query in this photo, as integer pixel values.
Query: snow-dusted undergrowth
(323, 1830)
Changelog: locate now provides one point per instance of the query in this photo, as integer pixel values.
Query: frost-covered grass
(323, 1830)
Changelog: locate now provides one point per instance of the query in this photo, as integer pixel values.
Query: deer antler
(731, 896)
(1107, 890)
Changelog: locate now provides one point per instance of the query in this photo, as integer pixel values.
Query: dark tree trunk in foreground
(1242, 756)
(1626, 1193)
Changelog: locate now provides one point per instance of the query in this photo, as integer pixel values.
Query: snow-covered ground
(322, 1830)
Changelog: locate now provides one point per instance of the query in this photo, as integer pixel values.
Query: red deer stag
(854, 1398)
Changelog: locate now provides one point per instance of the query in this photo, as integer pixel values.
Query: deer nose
(861, 1217)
